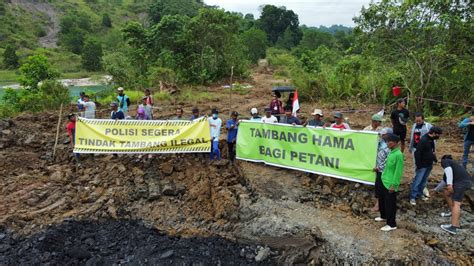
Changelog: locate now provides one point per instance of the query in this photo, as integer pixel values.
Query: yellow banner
(141, 136)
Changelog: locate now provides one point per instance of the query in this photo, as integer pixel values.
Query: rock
(137, 172)
(79, 253)
(6, 132)
(326, 190)
(169, 189)
(222, 162)
(154, 191)
(262, 254)
(167, 254)
(166, 168)
(411, 213)
(432, 242)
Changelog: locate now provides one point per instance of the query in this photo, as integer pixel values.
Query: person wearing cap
(467, 125)
(215, 123)
(71, 132)
(399, 117)
(232, 126)
(425, 156)
(382, 154)
(269, 118)
(391, 177)
(116, 114)
(195, 114)
(317, 120)
(144, 110)
(340, 124)
(123, 101)
(179, 114)
(255, 116)
(376, 124)
(456, 181)
(289, 118)
(276, 105)
(89, 108)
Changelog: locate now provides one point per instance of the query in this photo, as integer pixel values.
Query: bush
(34, 70)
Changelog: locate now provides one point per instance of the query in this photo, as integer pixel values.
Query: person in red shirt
(71, 131)
(340, 124)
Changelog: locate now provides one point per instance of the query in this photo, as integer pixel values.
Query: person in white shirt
(89, 108)
(269, 118)
(215, 124)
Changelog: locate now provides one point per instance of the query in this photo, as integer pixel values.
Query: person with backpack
(123, 101)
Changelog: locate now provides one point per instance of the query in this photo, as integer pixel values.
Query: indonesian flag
(296, 103)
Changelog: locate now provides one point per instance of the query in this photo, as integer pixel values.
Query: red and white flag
(296, 103)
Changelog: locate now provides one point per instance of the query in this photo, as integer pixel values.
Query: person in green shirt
(391, 177)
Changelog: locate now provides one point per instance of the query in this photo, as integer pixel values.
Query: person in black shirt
(468, 126)
(399, 119)
(424, 158)
(457, 180)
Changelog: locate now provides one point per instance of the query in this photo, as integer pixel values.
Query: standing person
(255, 116)
(116, 114)
(80, 102)
(89, 108)
(289, 102)
(399, 119)
(149, 103)
(289, 118)
(457, 180)
(376, 124)
(179, 114)
(425, 156)
(232, 126)
(340, 124)
(215, 124)
(317, 120)
(123, 101)
(71, 132)
(468, 125)
(391, 177)
(382, 154)
(269, 118)
(195, 114)
(145, 109)
(276, 105)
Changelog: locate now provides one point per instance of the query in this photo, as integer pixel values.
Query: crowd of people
(390, 154)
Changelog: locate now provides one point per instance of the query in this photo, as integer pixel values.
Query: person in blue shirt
(116, 114)
(215, 123)
(289, 118)
(195, 114)
(123, 101)
(232, 126)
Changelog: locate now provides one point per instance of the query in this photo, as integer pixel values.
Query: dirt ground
(294, 217)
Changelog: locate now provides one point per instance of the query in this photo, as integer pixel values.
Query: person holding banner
(340, 124)
(215, 123)
(255, 116)
(391, 177)
(376, 124)
(232, 126)
(179, 114)
(269, 118)
(289, 118)
(71, 131)
(382, 154)
(195, 114)
(116, 114)
(317, 120)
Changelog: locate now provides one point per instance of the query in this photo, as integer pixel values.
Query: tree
(73, 28)
(36, 69)
(92, 55)
(106, 20)
(276, 20)
(255, 42)
(160, 8)
(313, 38)
(10, 59)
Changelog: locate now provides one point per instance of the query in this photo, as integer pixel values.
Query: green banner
(346, 154)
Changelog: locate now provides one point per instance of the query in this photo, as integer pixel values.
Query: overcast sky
(310, 12)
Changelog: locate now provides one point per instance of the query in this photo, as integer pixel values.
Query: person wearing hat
(382, 153)
(71, 132)
(399, 117)
(340, 124)
(317, 120)
(232, 126)
(289, 118)
(215, 123)
(468, 126)
(144, 110)
(276, 105)
(195, 114)
(123, 101)
(376, 124)
(390, 182)
(116, 114)
(255, 116)
(269, 118)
